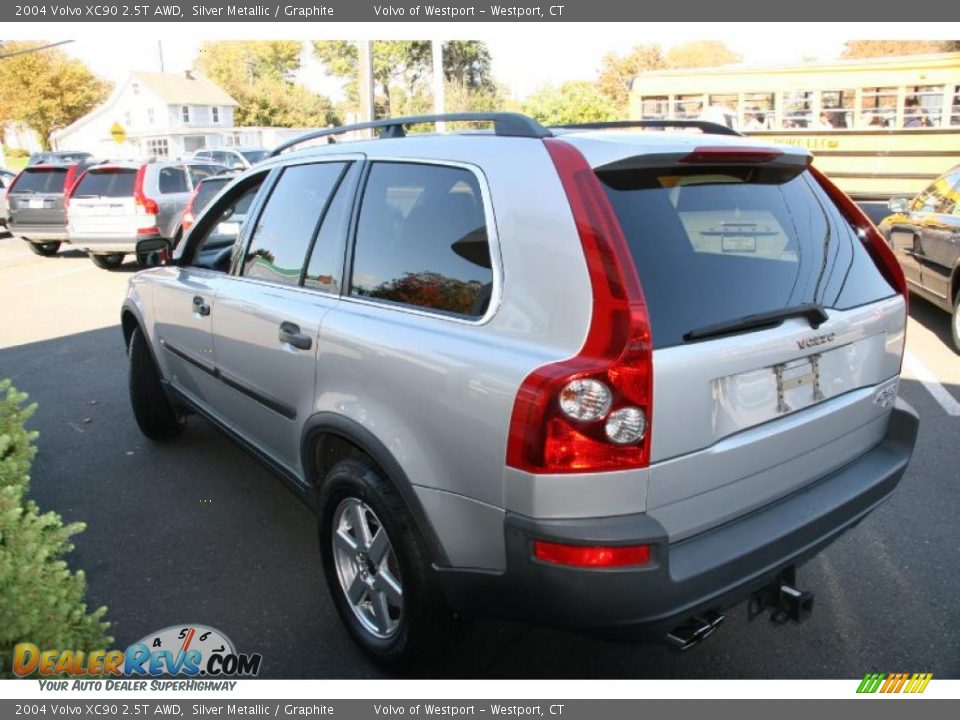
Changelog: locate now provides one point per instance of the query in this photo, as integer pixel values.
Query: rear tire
(157, 418)
(47, 249)
(110, 261)
(412, 634)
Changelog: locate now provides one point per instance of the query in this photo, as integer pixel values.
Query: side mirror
(898, 204)
(154, 252)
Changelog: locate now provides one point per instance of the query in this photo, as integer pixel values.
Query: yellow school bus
(879, 127)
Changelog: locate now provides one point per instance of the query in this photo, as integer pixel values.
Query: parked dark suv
(37, 209)
(925, 235)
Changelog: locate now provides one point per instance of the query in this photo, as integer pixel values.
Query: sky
(523, 63)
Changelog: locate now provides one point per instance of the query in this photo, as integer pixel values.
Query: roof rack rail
(705, 126)
(505, 124)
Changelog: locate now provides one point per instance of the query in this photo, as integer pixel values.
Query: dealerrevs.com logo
(179, 650)
(909, 683)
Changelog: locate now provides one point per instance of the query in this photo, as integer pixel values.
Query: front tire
(155, 415)
(110, 261)
(955, 324)
(378, 569)
(47, 249)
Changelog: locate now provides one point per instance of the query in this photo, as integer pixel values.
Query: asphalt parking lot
(198, 532)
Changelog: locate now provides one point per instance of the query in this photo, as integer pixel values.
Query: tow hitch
(784, 600)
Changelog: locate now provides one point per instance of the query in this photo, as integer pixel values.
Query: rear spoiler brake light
(731, 156)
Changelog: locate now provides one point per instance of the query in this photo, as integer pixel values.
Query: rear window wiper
(813, 312)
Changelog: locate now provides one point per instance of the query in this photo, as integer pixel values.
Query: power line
(34, 49)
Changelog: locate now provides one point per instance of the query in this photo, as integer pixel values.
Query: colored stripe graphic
(894, 683)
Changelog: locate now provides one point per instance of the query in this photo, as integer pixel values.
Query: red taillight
(591, 556)
(878, 248)
(617, 351)
(70, 183)
(149, 205)
(6, 195)
(186, 222)
(732, 155)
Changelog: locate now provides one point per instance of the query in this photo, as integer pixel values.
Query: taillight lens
(6, 195)
(591, 556)
(148, 205)
(874, 242)
(186, 221)
(560, 415)
(69, 183)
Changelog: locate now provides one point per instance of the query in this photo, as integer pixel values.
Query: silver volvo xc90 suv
(612, 379)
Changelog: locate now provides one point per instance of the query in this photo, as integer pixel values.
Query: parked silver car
(6, 179)
(115, 204)
(235, 158)
(36, 205)
(609, 381)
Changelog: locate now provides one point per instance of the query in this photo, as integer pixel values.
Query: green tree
(572, 102)
(46, 90)
(259, 75)
(402, 70)
(43, 600)
(892, 48)
(617, 72)
(701, 53)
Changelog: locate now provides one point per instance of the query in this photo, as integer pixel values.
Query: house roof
(183, 89)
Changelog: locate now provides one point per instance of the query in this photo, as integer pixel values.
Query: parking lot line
(18, 255)
(56, 275)
(933, 386)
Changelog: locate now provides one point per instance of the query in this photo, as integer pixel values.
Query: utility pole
(160, 53)
(438, 82)
(365, 51)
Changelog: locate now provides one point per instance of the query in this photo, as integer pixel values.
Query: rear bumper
(101, 244)
(38, 233)
(714, 570)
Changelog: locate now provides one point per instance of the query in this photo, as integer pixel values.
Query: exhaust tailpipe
(694, 631)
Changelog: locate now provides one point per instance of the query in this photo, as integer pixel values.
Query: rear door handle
(200, 306)
(291, 335)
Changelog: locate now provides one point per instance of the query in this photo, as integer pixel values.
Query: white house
(155, 115)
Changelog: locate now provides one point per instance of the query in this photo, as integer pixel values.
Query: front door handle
(200, 306)
(290, 334)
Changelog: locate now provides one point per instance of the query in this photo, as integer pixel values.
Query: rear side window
(172, 180)
(712, 246)
(106, 183)
(41, 180)
(278, 248)
(422, 239)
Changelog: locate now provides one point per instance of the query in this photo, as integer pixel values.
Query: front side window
(278, 247)
(213, 239)
(422, 240)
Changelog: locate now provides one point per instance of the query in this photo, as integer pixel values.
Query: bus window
(725, 101)
(797, 109)
(687, 106)
(758, 111)
(955, 106)
(654, 108)
(878, 107)
(923, 106)
(836, 109)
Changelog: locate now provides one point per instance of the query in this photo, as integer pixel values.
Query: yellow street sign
(118, 133)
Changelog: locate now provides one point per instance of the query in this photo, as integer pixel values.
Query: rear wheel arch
(328, 438)
(955, 284)
(130, 322)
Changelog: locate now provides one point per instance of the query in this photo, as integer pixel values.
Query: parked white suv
(605, 380)
(114, 205)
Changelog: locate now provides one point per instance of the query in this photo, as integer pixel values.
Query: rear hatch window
(41, 180)
(714, 245)
(106, 183)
